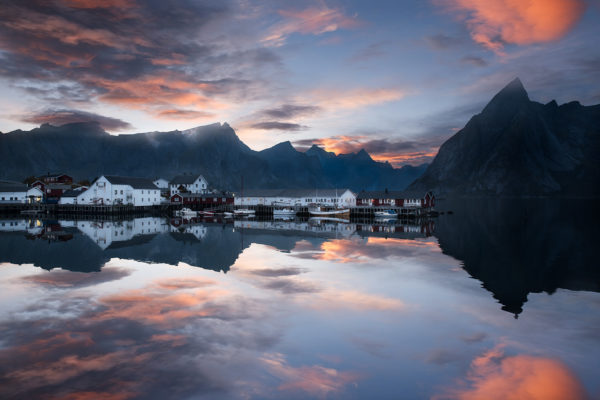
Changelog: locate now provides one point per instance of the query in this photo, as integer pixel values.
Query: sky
(396, 78)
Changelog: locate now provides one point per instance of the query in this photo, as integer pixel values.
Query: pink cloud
(494, 376)
(496, 23)
(315, 380)
(313, 20)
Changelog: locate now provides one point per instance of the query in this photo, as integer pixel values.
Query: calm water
(498, 299)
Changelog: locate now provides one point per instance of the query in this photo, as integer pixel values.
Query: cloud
(476, 61)
(129, 347)
(73, 51)
(290, 286)
(280, 126)
(442, 357)
(494, 24)
(184, 114)
(349, 99)
(277, 272)
(397, 152)
(287, 111)
(64, 116)
(443, 42)
(474, 338)
(315, 380)
(310, 21)
(69, 279)
(332, 299)
(494, 376)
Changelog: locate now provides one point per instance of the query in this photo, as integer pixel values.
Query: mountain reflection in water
(166, 309)
(514, 247)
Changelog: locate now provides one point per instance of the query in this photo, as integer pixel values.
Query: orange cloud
(315, 380)
(166, 89)
(397, 153)
(496, 23)
(413, 158)
(494, 376)
(315, 21)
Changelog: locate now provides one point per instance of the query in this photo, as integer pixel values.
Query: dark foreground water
(499, 300)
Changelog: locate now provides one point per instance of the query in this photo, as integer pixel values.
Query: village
(191, 195)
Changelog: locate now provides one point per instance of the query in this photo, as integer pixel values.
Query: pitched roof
(392, 194)
(54, 176)
(294, 193)
(185, 179)
(204, 196)
(136, 183)
(12, 187)
(72, 193)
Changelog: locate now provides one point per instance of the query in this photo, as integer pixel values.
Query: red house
(393, 198)
(197, 200)
(63, 179)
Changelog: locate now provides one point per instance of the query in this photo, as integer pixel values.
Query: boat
(186, 212)
(318, 211)
(283, 212)
(227, 214)
(386, 214)
(244, 212)
(319, 220)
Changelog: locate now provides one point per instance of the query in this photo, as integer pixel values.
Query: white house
(188, 183)
(162, 184)
(296, 197)
(70, 196)
(105, 233)
(19, 193)
(115, 190)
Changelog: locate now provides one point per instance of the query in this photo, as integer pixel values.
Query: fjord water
(498, 298)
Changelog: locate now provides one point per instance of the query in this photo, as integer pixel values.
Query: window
(121, 191)
(115, 192)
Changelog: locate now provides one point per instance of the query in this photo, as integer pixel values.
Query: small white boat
(186, 212)
(283, 212)
(334, 213)
(243, 212)
(227, 214)
(386, 214)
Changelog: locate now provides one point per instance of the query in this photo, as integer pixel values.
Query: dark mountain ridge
(519, 147)
(86, 151)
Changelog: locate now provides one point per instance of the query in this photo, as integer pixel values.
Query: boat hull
(332, 213)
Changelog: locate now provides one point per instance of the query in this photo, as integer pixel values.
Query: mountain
(86, 151)
(520, 246)
(518, 147)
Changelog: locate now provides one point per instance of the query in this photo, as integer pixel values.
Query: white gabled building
(107, 233)
(117, 190)
(189, 184)
(162, 183)
(19, 193)
(296, 197)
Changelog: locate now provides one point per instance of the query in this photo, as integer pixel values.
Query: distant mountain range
(86, 151)
(518, 147)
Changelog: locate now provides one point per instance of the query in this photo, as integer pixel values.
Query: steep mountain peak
(319, 152)
(363, 155)
(283, 149)
(509, 98)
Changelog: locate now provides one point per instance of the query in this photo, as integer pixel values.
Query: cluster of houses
(341, 198)
(193, 191)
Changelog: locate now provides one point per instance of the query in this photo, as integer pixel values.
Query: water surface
(498, 298)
